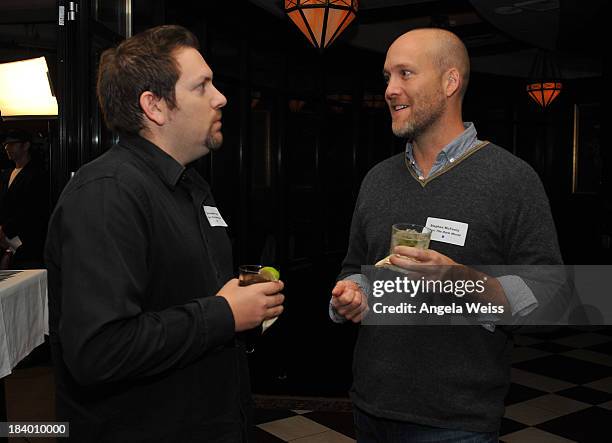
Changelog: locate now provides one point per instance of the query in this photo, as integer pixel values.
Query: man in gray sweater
(440, 383)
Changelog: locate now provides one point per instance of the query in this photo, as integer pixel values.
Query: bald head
(443, 47)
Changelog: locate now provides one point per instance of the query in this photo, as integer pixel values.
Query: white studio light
(25, 89)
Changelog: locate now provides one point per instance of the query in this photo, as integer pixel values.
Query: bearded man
(440, 383)
(143, 309)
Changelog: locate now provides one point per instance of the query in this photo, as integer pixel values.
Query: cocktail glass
(408, 234)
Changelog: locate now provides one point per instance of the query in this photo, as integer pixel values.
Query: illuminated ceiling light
(321, 21)
(544, 93)
(25, 90)
(545, 83)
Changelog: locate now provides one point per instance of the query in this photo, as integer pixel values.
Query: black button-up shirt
(144, 350)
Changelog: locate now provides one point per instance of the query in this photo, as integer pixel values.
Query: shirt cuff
(520, 296)
(219, 325)
(335, 317)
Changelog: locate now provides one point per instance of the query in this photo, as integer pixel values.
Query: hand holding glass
(252, 274)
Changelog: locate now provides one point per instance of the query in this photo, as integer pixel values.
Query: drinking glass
(249, 275)
(408, 234)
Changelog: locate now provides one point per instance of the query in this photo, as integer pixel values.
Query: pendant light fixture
(544, 84)
(321, 21)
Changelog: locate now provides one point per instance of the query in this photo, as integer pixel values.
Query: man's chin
(403, 131)
(214, 143)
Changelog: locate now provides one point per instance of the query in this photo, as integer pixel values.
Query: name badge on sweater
(447, 231)
(214, 216)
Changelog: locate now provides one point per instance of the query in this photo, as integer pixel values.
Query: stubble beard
(214, 142)
(423, 117)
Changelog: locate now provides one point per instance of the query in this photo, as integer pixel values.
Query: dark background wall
(302, 128)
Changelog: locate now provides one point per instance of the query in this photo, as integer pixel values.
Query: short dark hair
(144, 62)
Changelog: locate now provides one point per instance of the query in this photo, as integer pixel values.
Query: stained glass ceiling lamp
(296, 105)
(25, 90)
(545, 80)
(321, 21)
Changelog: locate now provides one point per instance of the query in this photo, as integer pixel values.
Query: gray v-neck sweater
(446, 376)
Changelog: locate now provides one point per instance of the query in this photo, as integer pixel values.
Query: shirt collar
(169, 170)
(455, 149)
(461, 144)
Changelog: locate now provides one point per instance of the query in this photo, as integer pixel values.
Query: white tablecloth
(24, 316)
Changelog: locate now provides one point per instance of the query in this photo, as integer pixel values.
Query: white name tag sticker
(447, 231)
(214, 216)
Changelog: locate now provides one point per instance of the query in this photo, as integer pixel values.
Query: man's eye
(406, 73)
(386, 79)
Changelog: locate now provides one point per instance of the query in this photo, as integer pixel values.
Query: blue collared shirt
(451, 152)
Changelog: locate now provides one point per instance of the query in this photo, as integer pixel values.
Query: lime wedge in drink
(269, 273)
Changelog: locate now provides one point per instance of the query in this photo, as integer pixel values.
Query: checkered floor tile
(561, 391)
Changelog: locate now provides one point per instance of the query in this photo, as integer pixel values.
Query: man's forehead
(15, 144)
(192, 64)
(400, 59)
(407, 51)
(13, 141)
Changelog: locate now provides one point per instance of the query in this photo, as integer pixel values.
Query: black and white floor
(561, 391)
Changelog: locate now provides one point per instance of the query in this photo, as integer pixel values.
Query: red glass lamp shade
(321, 21)
(545, 83)
(544, 92)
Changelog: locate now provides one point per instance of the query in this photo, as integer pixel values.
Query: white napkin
(267, 323)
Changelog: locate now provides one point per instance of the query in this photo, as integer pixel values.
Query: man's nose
(392, 90)
(219, 99)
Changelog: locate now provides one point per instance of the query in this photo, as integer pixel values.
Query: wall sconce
(336, 102)
(25, 90)
(321, 21)
(296, 105)
(341, 98)
(374, 101)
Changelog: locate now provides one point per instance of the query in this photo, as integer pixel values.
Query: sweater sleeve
(531, 236)
(357, 252)
(355, 257)
(533, 253)
(105, 331)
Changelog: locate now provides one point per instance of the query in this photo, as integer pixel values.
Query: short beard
(213, 143)
(421, 123)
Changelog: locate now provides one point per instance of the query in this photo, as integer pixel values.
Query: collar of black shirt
(166, 167)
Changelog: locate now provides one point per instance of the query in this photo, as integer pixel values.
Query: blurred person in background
(24, 205)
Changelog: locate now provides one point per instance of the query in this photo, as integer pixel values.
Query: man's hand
(349, 301)
(427, 262)
(440, 267)
(421, 256)
(253, 304)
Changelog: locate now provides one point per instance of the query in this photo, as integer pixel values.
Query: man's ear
(452, 82)
(154, 108)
